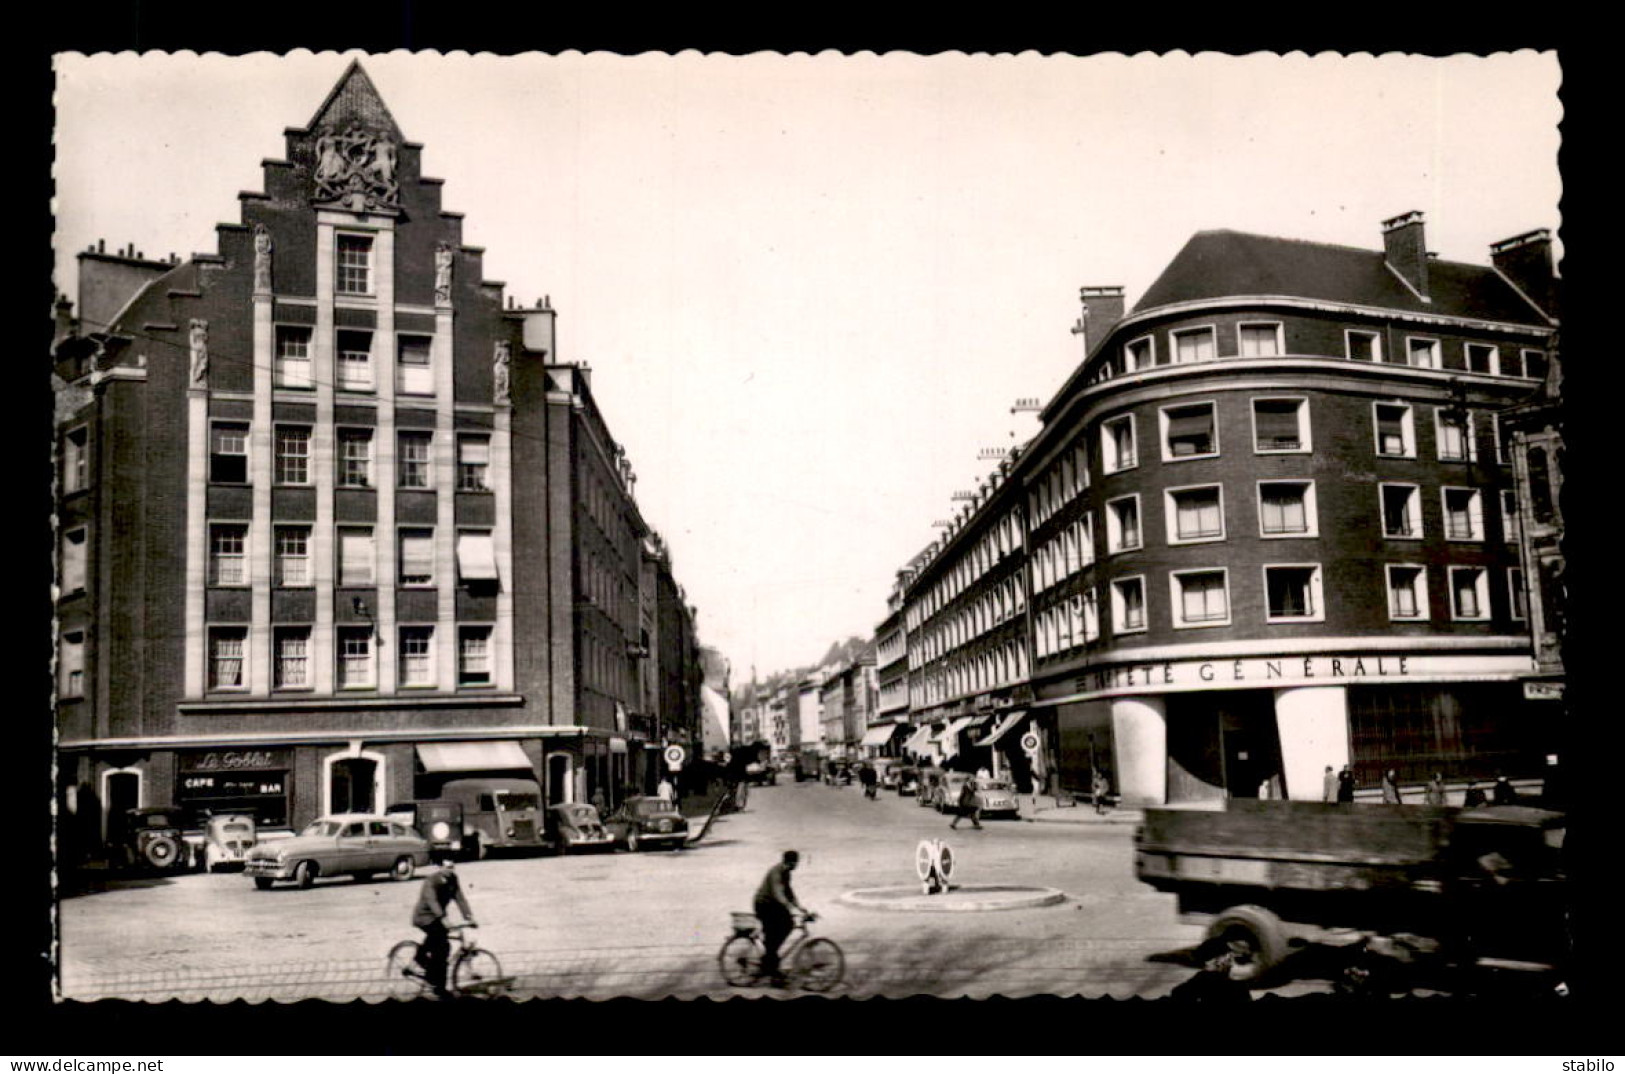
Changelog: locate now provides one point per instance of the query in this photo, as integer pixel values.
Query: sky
(811, 288)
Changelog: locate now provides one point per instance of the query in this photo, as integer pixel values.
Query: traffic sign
(675, 756)
(1029, 742)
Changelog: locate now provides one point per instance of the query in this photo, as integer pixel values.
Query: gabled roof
(355, 100)
(1221, 264)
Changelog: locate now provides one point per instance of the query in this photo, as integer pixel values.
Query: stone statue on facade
(442, 273)
(262, 258)
(200, 352)
(499, 370)
(357, 166)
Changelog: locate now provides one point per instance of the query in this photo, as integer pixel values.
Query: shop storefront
(250, 781)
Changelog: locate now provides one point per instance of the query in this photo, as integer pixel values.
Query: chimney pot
(1405, 249)
(1526, 260)
(101, 246)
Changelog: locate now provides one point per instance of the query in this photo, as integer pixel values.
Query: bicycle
(471, 969)
(813, 963)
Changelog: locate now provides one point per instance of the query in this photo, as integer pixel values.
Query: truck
(499, 812)
(1269, 877)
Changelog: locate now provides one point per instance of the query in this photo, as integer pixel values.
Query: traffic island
(957, 898)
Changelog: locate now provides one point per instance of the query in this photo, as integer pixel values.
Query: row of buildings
(336, 522)
(1298, 508)
(832, 711)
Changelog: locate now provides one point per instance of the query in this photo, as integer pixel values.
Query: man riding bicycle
(434, 898)
(775, 904)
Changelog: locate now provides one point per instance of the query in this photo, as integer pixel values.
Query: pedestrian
(1390, 787)
(1503, 792)
(1345, 785)
(598, 802)
(866, 776)
(775, 904)
(1329, 785)
(1099, 789)
(1474, 796)
(969, 805)
(434, 898)
(666, 790)
(1435, 791)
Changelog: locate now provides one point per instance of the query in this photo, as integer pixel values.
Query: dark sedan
(641, 822)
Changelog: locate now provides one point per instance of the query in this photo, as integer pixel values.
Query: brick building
(1269, 525)
(337, 524)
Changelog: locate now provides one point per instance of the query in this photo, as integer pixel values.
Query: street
(649, 924)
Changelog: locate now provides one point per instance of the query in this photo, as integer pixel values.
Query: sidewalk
(1082, 813)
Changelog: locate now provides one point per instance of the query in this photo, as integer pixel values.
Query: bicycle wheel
(403, 961)
(819, 965)
(477, 972)
(741, 961)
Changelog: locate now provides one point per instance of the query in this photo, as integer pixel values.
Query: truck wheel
(162, 852)
(1256, 938)
(304, 874)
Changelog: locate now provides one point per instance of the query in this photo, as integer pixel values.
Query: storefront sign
(1543, 691)
(235, 760)
(1342, 670)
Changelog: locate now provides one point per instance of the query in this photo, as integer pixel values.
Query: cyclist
(434, 898)
(774, 906)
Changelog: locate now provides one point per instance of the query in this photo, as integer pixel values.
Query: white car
(352, 844)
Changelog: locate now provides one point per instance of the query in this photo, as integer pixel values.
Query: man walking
(774, 906)
(969, 805)
(434, 898)
(1329, 785)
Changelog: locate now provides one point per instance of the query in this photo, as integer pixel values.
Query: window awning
(1006, 722)
(920, 740)
(476, 557)
(948, 740)
(878, 736)
(617, 745)
(500, 755)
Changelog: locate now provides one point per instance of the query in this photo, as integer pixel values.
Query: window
(474, 463)
(415, 376)
(293, 555)
(1469, 593)
(292, 455)
(417, 557)
(1422, 353)
(355, 458)
(356, 556)
(1407, 592)
(474, 656)
(1534, 364)
(476, 556)
(1510, 528)
(1188, 432)
(1117, 444)
(1280, 425)
(1091, 615)
(417, 656)
(1517, 595)
(292, 671)
(416, 472)
(1396, 430)
(1200, 598)
(227, 670)
(1286, 509)
(75, 460)
(292, 368)
(71, 665)
(1463, 515)
(1195, 514)
(1139, 354)
(1194, 345)
(1455, 436)
(1362, 346)
(73, 561)
(1123, 524)
(354, 362)
(355, 668)
(1401, 510)
(353, 260)
(1259, 340)
(1481, 358)
(1128, 605)
(1293, 593)
(228, 559)
(228, 453)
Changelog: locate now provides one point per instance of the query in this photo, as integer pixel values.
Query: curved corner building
(1268, 526)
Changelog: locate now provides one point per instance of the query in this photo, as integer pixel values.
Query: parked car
(577, 826)
(439, 820)
(763, 775)
(997, 797)
(642, 821)
(499, 813)
(885, 771)
(227, 839)
(151, 839)
(930, 787)
(908, 780)
(354, 844)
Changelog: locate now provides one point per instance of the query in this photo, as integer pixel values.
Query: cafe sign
(235, 761)
(1284, 671)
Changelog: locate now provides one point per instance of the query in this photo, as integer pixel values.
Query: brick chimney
(1526, 260)
(1102, 309)
(1406, 250)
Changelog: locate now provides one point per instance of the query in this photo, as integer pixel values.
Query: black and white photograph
(580, 525)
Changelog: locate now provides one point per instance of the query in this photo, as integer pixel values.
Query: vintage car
(438, 820)
(577, 826)
(642, 821)
(227, 839)
(995, 797)
(151, 839)
(930, 787)
(354, 844)
(763, 775)
(908, 779)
